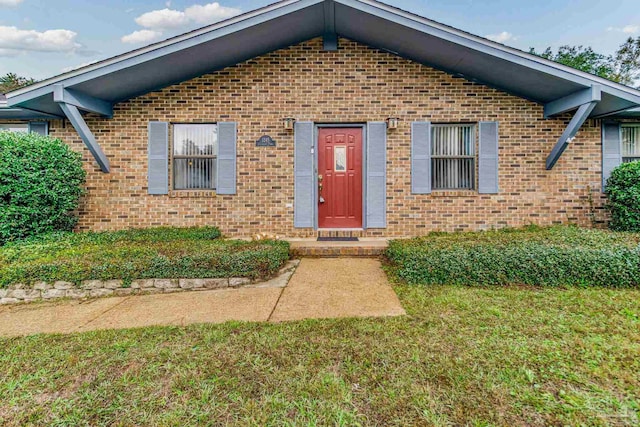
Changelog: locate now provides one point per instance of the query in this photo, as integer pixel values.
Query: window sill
(192, 193)
(454, 193)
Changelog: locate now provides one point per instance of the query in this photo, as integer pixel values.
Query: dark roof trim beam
(570, 132)
(573, 101)
(78, 123)
(330, 37)
(82, 101)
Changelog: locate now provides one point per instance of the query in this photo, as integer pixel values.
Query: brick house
(312, 115)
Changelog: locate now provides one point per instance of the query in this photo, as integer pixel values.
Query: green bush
(623, 190)
(40, 185)
(557, 256)
(138, 254)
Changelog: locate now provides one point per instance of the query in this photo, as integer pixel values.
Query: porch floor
(364, 247)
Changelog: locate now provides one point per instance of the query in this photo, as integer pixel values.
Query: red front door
(340, 178)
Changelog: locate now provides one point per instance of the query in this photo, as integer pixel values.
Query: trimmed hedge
(41, 181)
(138, 254)
(556, 256)
(623, 191)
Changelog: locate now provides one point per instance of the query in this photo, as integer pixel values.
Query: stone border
(21, 293)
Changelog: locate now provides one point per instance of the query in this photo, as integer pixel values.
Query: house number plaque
(265, 141)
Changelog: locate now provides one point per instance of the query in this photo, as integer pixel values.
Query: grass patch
(463, 356)
(138, 254)
(555, 256)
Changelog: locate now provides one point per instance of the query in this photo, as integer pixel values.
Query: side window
(630, 143)
(453, 157)
(14, 127)
(195, 156)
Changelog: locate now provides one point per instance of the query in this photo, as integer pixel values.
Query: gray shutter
(303, 175)
(41, 128)
(376, 203)
(421, 157)
(611, 149)
(226, 175)
(158, 152)
(488, 158)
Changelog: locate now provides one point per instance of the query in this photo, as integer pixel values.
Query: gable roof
(290, 22)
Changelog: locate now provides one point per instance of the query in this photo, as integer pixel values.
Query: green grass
(463, 356)
(138, 254)
(554, 256)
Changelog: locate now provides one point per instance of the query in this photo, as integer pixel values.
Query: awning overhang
(290, 22)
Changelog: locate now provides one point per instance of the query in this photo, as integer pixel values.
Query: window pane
(195, 140)
(194, 173)
(630, 143)
(195, 148)
(452, 141)
(14, 127)
(453, 157)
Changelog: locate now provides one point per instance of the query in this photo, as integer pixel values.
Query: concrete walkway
(319, 288)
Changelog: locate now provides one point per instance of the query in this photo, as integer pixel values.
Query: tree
(581, 58)
(622, 67)
(11, 81)
(627, 62)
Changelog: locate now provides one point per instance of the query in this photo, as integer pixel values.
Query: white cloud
(627, 29)
(156, 22)
(502, 37)
(208, 13)
(75, 67)
(10, 2)
(14, 39)
(162, 19)
(141, 36)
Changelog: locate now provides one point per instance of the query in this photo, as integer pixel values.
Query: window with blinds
(630, 143)
(195, 152)
(14, 127)
(453, 157)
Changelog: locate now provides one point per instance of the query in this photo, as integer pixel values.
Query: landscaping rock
(215, 283)
(17, 286)
(42, 286)
(238, 281)
(63, 285)
(112, 284)
(77, 293)
(123, 291)
(9, 300)
(16, 293)
(100, 292)
(92, 284)
(142, 284)
(192, 283)
(165, 283)
(3, 293)
(54, 293)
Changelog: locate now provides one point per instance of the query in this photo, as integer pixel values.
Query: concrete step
(311, 248)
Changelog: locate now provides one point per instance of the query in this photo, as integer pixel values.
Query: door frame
(363, 128)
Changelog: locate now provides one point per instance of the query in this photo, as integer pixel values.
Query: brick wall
(354, 84)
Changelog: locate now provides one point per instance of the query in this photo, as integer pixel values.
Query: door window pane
(340, 158)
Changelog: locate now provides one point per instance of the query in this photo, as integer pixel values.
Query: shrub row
(138, 254)
(558, 256)
(623, 191)
(41, 181)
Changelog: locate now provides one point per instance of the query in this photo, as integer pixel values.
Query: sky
(42, 38)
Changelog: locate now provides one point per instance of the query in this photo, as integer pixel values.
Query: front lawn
(165, 253)
(536, 256)
(502, 356)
